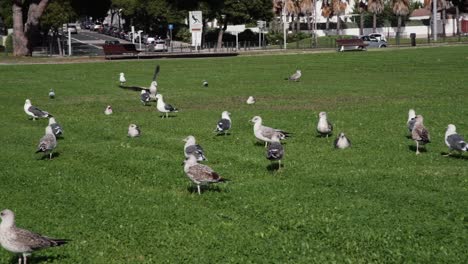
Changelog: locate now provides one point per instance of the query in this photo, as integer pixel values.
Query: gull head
(225, 114)
(121, 74)
(52, 121)
(411, 114)
(256, 119)
(8, 218)
(189, 139)
(451, 129)
(342, 135)
(159, 96)
(28, 102)
(298, 71)
(109, 107)
(323, 114)
(132, 126)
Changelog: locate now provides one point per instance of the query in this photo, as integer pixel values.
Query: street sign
(195, 21)
(170, 26)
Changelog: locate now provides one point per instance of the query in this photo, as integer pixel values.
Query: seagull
(411, 117)
(275, 150)
(454, 141)
(51, 94)
(108, 110)
(122, 79)
(324, 128)
(153, 89)
(342, 142)
(251, 100)
(33, 111)
(134, 131)
(47, 143)
(295, 77)
(56, 128)
(145, 97)
(191, 148)
(205, 83)
(224, 124)
(163, 107)
(265, 133)
(420, 134)
(22, 241)
(200, 174)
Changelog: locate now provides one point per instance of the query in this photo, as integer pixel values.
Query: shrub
(9, 43)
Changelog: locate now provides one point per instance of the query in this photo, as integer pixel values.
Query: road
(90, 43)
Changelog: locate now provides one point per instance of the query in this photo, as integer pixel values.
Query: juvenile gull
(145, 97)
(420, 134)
(454, 141)
(47, 143)
(411, 120)
(108, 110)
(324, 127)
(224, 124)
(192, 148)
(56, 128)
(51, 94)
(251, 100)
(265, 133)
(275, 150)
(200, 174)
(133, 131)
(33, 111)
(122, 79)
(22, 241)
(295, 77)
(342, 142)
(163, 107)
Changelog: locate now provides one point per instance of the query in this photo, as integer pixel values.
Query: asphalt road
(90, 43)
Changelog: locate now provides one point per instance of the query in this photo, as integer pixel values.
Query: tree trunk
(220, 35)
(398, 31)
(309, 24)
(457, 15)
(374, 23)
(338, 26)
(361, 24)
(23, 36)
(59, 42)
(298, 24)
(327, 25)
(444, 21)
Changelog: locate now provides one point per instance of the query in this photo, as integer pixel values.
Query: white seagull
(122, 79)
(56, 128)
(51, 94)
(411, 120)
(145, 97)
(420, 134)
(342, 142)
(275, 150)
(133, 131)
(192, 148)
(108, 110)
(265, 133)
(324, 127)
(295, 77)
(47, 143)
(153, 90)
(200, 174)
(205, 83)
(22, 241)
(163, 107)
(224, 124)
(33, 111)
(251, 100)
(454, 141)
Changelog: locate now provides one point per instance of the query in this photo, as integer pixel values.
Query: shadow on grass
(324, 136)
(222, 134)
(413, 148)
(454, 156)
(169, 116)
(204, 188)
(37, 259)
(274, 167)
(46, 157)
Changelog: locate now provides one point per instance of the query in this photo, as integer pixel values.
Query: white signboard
(195, 21)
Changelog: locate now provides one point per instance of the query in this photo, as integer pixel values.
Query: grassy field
(125, 200)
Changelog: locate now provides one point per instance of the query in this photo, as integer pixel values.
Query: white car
(160, 45)
(378, 36)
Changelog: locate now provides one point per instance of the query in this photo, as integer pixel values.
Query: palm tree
(400, 8)
(376, 7)
(327, 12)
(306, 7)
(291, 8)
(362, 8)
(339, 8)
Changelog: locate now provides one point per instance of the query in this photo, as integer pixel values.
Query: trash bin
(413, 39)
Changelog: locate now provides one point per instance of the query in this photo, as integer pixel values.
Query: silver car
(373, 42)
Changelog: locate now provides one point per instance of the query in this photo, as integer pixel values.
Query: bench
(120, 49)
(358, 44)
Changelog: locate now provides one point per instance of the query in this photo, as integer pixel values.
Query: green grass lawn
(125, 200)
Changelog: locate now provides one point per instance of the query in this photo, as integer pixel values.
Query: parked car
(97, 27)
(373, 42)
(160, 45)
(73, 29)
(378, 36)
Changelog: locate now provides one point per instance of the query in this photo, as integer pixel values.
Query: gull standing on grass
(275, 150)
(411, 120)
(153, 89)
(22, 241)
(108, 110)
(51, 94)
(324, 127)
(145, 97)
(122, 79)
(420, 134)
(295, 77)
(47, 143)
(200, 174)
(224, 124)
(133, 131)
(454, 141)
(56, 128)
(192, 148)
(251, 100)
(33, 111)
(264, 133)
(342, 142)
(163, 107)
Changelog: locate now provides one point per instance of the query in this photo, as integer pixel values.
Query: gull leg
(417, 147)
(19, 260)
(448, 154)
(198, 187)
(25, 259)
(50, 155)
(167, 115)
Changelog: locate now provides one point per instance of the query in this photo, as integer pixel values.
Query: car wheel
(383, 46)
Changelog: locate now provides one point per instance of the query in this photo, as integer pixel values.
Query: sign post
(196, 27)
(69, 42)
(261, 25)
(171, 27)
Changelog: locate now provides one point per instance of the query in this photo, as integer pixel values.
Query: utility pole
(434, 20)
